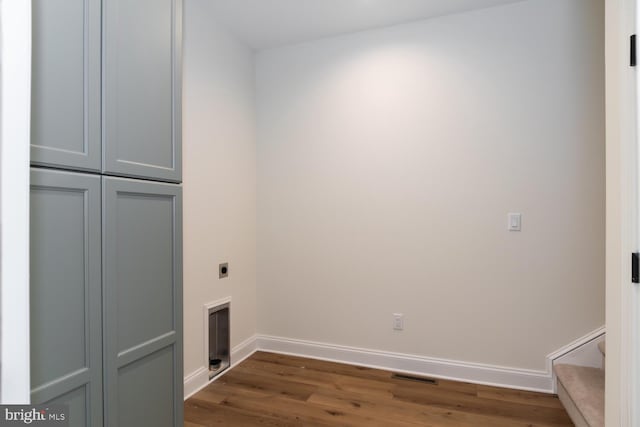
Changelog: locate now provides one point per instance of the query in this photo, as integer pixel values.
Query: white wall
(219, 179)
(388, 161)
(15, 87)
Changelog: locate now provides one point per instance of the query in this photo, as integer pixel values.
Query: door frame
(622, 212)
(15, 76)
(634, 326)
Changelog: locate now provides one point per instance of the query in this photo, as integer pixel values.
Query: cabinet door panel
(142, 228)
(65, 293)
(142, 88)
(65, 107)
(76, 401)
(145, 391)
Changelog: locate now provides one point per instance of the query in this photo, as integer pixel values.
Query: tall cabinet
(106, 211)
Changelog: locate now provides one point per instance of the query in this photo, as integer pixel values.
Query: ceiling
(270, 23)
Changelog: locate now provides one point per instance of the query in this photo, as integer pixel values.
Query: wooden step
(581, 391)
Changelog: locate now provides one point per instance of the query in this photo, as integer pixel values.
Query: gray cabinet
(106, 87)
(65, 293)
(141, 77)
(106, 249)
(65, 107)
(142, 268)
(106, 261)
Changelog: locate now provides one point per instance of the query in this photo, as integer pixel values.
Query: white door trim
(15, 86)
(633, 352)
(622, 202)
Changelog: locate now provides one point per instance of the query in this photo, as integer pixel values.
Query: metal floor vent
(424, 380)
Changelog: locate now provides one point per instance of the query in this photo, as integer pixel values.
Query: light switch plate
(398, 321)
(514, 222)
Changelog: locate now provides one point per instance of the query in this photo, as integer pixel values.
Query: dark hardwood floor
(276, 390)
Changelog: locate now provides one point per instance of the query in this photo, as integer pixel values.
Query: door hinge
(634, 51)
(635, 267)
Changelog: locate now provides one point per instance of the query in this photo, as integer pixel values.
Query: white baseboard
(195, 381)
(199, 379)
(575, 354)
(499, 376)
(243, 350)
(581, 352)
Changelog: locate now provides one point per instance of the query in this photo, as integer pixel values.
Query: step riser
(572, 410)
(581, 391)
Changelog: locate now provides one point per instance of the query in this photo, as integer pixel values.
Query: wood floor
(275, 390)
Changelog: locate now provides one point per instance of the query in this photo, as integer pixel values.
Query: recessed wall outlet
(223, 270)
(398, 321)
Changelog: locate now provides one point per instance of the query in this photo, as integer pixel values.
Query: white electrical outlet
(398, 321)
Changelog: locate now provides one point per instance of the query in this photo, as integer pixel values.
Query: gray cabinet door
(65, 293)
(142, 77)
(142, 278)
(65, 106)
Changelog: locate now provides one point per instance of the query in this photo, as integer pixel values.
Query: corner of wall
(219, 158)
(199, 379)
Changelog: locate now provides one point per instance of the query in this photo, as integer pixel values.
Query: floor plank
(206, 414)
(518, 396)
(276, 390)
(393, 411)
